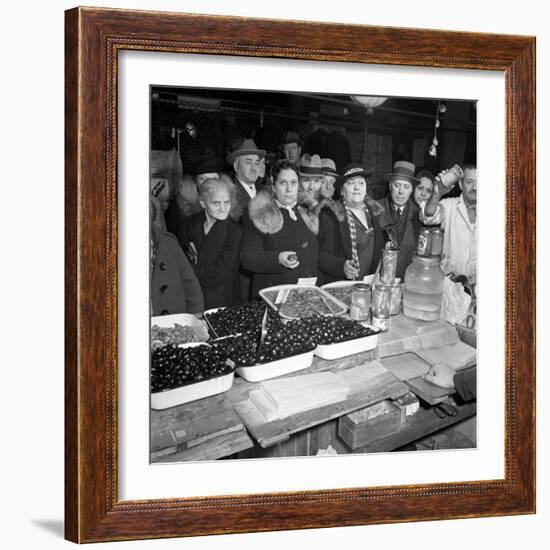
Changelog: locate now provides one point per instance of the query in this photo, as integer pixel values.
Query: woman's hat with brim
(403, 169)
(329, 168)
(244, 147)
(352, 171)
(311, 166)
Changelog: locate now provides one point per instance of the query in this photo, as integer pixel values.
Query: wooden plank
(382, 387)
(213, 449)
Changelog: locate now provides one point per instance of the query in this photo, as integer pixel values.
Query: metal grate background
(190, 127)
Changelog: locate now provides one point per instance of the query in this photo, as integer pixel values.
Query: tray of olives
(185, 373)
(177, 329)
(233, 320)
(286, 349)
(298, 301)
(337, 337)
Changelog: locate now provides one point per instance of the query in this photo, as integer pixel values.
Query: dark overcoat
(335, 244)
(268, 231)
(174, 286)
(217, 266)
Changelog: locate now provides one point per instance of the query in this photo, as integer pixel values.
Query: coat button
(164, 289)
(163, 266)
(164, 312)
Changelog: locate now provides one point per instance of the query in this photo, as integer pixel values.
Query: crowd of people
(222, 238)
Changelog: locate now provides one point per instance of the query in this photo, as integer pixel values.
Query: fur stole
(310, 212)
(265, 213)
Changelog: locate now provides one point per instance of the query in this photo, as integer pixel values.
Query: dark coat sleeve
(191, 287)
(331, 258)
(254, 257)
(216, 272)
(465, 383)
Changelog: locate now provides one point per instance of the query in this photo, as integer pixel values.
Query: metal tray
(266, 295)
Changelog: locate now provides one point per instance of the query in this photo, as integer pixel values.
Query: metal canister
(360, 302)
(389, 265)
(381, 305)
(424, 245)
(451, 177)
(437, 241)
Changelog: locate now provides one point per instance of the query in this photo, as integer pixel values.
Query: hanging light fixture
(441, 109)
(369, 102)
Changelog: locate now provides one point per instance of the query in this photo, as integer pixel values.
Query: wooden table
(213, 428)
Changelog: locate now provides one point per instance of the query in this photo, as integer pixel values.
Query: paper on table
(358, 377)
(406, 365)
(302, 393)
(458, 356)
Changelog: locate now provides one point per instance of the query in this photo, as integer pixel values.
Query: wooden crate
(359, 428)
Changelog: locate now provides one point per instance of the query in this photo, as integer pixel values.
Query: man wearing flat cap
(292, 147)
(400, 219)
(245, 158)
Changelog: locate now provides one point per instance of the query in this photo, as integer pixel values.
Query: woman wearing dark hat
(400, 219)
(350, 239)
(277, 245)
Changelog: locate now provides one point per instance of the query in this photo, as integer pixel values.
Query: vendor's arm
(329, 262)
(463, 381)
(217, 272)
(253, 256)
(432, 212)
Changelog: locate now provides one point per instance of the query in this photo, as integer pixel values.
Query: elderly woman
(277, 246)
(350, 238)
(424, 188)
(212, 242)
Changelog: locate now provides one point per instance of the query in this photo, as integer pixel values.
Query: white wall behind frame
(32, 100)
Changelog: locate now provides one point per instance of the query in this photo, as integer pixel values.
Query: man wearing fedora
(400, 219)
(292, 147)
(311, 178)
(245, 157)
(329, 178)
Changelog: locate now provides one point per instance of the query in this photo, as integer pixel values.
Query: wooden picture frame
(93, 39)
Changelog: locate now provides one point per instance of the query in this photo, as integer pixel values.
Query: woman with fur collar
(277, 246)
(350, 237)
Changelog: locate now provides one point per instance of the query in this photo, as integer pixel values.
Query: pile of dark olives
(283, 340)
(333, 330)
(172, 366)
(237, 319)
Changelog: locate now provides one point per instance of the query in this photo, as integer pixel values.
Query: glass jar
(389, 265)
(423, 289)
(381, 305)
(360, 302)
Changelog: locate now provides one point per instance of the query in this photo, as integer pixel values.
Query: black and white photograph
(313, 262)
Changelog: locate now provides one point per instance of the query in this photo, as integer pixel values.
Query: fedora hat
(353, 170)
(329, 168)
(291, 137)
(403, 169)
(311, 165)
(244, 146)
